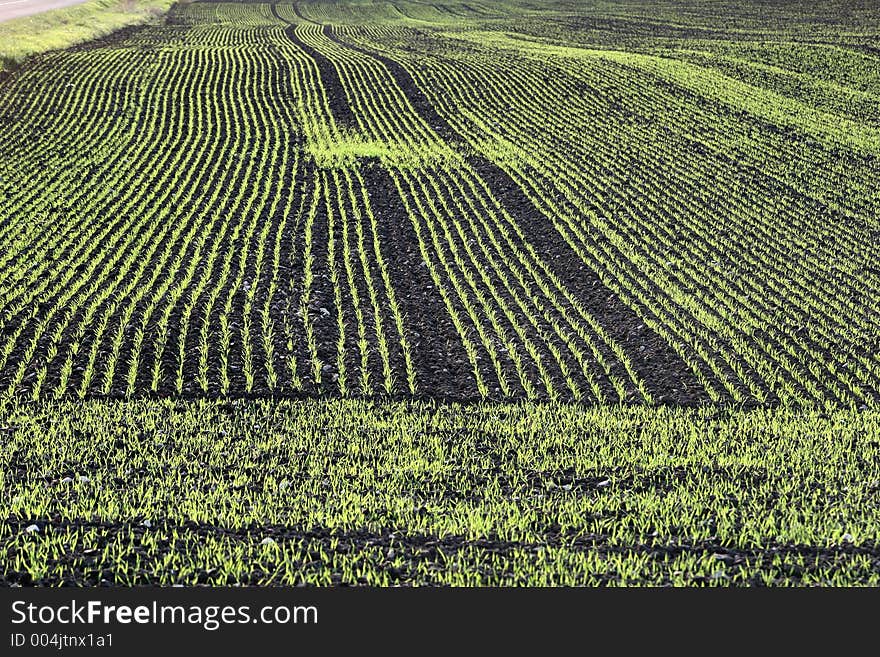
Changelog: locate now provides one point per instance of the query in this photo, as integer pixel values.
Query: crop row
(724, 260)
(348, 198)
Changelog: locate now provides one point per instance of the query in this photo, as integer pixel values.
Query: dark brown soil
(438, 354)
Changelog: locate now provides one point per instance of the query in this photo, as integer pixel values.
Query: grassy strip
(61, 28)
(355, 492)
(774, 107)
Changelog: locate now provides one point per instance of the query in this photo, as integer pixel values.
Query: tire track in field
(667, 377)
(439, 358)
(339, 106)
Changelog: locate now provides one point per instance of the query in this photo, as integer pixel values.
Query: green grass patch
(344, 149)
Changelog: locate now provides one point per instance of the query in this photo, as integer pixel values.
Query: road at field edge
(10, 9)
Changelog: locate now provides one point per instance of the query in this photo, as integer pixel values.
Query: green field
(355, 492)
(490, 292)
